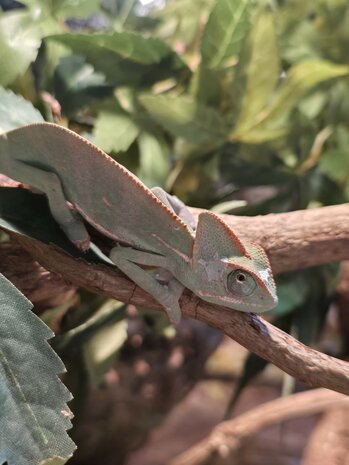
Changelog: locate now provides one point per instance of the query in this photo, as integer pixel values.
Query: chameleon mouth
(232, 301)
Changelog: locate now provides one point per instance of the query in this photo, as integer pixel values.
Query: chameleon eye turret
(241, 283)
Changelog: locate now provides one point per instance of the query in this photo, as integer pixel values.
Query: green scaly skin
(146, 226)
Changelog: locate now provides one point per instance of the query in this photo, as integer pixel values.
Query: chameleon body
(146, 225)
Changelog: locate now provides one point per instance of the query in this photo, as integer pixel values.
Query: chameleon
(151, 230)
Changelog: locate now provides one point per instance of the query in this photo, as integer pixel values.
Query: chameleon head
(235, 274)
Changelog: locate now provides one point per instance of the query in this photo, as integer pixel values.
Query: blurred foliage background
(240, 106)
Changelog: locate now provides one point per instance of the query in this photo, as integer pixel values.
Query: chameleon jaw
(235, 304)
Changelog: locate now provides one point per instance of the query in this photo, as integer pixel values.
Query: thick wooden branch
(298, 239)
(42, 288)
(226, 440)
(251, 331)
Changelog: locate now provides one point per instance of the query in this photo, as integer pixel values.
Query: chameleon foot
(83, 244)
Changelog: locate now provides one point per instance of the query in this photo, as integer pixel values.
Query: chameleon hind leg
(128, 261)
(49, 183)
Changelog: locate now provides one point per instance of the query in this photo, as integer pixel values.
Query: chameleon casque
(150, 228)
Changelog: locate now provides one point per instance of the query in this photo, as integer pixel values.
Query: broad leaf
(77, 84)
(335, 162)
(64, 8)
(115, 130)
(101, 349)
(293, 289)
(15, 111)
(184, 117)
(312, 105)
(228, 206)
(304, 41)
(310, 318)
(260, 65)
(300, 80)
(19, 44)
(225, 29)
(260, 134)
(34, 414)
(124, 57)
(109, 313)
(154, 159)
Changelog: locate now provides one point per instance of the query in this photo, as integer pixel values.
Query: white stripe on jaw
(265, 275)
(228, 299)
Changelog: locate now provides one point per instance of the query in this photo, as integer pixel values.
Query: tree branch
(42, 288)
(228, 437)
(248, 329)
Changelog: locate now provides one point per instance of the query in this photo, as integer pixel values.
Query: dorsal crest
(214, 238)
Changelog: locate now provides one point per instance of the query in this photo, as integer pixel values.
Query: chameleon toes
(83, 244)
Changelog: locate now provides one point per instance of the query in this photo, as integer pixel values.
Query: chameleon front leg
(50, 184)
(128, 261)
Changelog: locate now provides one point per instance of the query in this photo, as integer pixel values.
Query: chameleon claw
(83, 244)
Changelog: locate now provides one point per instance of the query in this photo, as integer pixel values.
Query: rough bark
(43, 288)
(342, 302)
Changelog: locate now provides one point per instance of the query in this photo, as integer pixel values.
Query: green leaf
(127, 45)
(300, 80)
(77, 84)
(260, 134)
(260, 65)
(64, 8)
(15, 111)
(334, 162)
(19, 44)
(103, 316)
(225, 29)
(228, 206)
(303, 43)
(209, 86)
(183, 117)
(310, 317)
(271, 122)
(154, 159)
(115, 130)
(312, 105)
(102, 348)
(293, 289)
(124, 57)
(34, 414)
(253, 366)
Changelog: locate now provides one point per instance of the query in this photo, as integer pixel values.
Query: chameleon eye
(241, 283)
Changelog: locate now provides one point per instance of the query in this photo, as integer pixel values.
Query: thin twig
(329, 441)
(228, 437)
